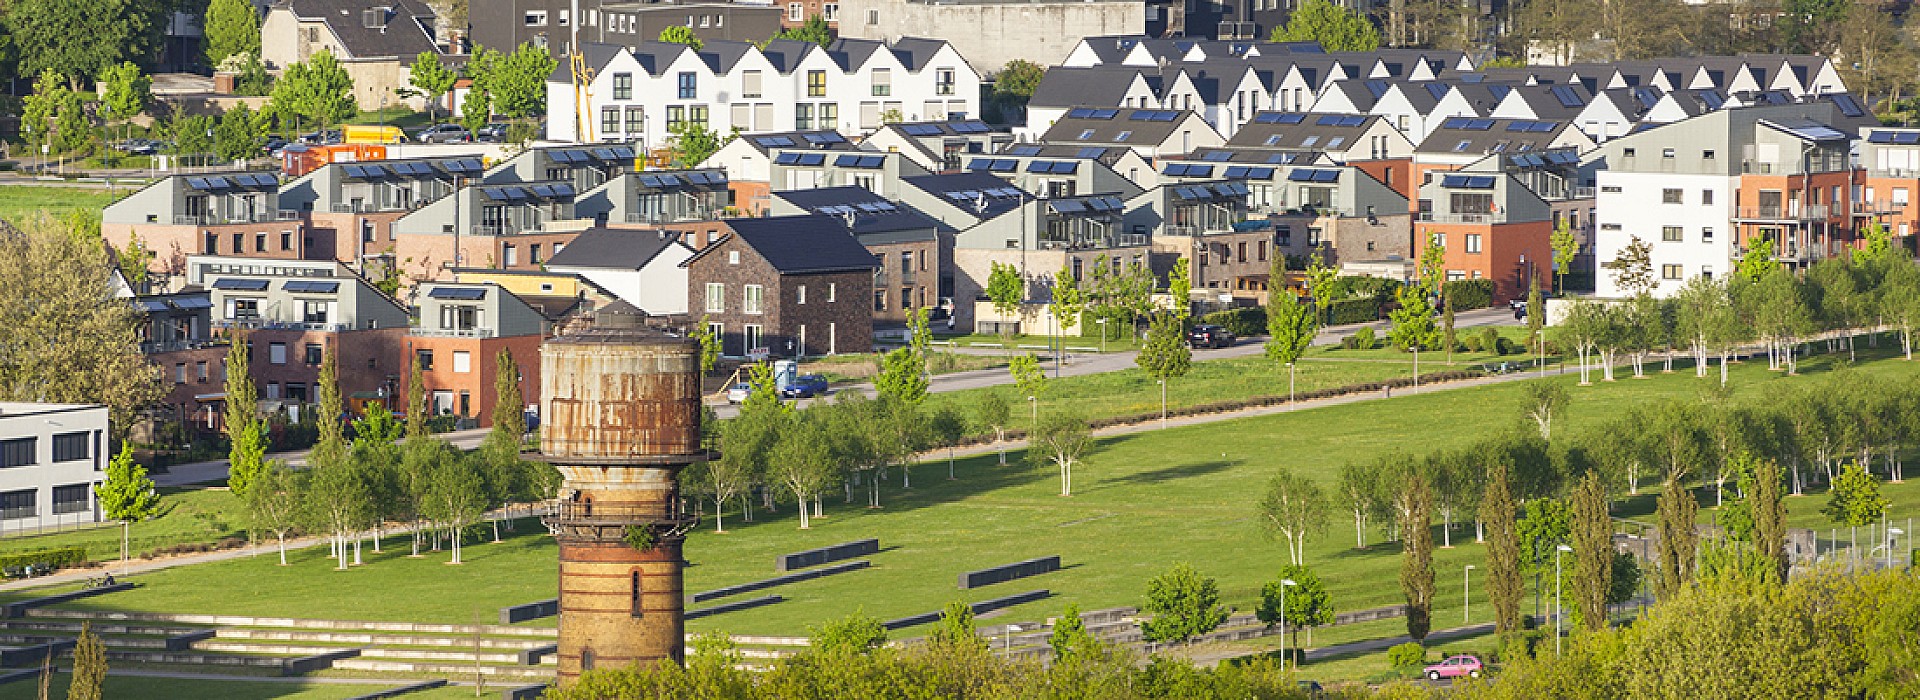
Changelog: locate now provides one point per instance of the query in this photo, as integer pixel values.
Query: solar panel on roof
(1907, 137)
(1105, 113)
(1024, 150)
(1267, 118)
(1479, 124)
(1217, 156)
(847, 161)
(1327, 120)
(1568, 97)
(1300, 175)
(1090, 152)
(979, 164)
(1544, 127)
(198, 183)
(310, 287)
(219, 183)
(1352, 120)
(1003, 165)
(150, 305)
(921, 130)
(623, 152)
(1066, 206)
(782, 159)
(240, 285)
(191, 303)
(1066, 167)
(568, 155)
(1438, 90)
(603, 153)
(773, 141)
(1281, 158)
(1456, 122)
(463, 165)
(1232, 189)
(1713, 99)
(1199, 171)
(1080, 113)
(1105, 204)
(1519, 125)
(458, 293)
(1326, 176)
(1848, 106)
(1376, 87)
(969, 127)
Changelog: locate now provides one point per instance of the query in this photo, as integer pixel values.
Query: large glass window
(816, 83)
(623, 86)
(19, 452)
(72, 447)
(689, 85)
(18, 504)
(716, 297)
(71, 499)
(751, 298)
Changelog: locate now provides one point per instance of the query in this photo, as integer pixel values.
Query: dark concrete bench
(531, 611)
(402, 690)
(309, 664)
(34, 654)
(1003, 574)
(733, 606)
(795, 577)
(816, 557)
(525, 692)
(981, 607)
(19, 608)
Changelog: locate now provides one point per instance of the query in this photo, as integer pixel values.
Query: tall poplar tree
(1678, 514)
(1770, 515)
(1592, 552)
(246, 458)
(1506, 587)
(1416, 563)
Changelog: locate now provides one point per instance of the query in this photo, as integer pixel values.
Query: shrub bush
(1507, 347)
(1408, 655)
(1242, 322)
(1469, 294)
(1472, 344)
(1363, 339)
(55, 558)
(1490, 341)
(1354, 311)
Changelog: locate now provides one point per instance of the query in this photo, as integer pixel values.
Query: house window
(314, 311)
(277, 353)
(698, 115)
(180, 373)
(634, 604)
(733, 257)
(832, 291)
(72, 447)
(426, 359)
(533, 253)
(537, 18)
(200, 370)
(19, 452)
(803, 117)
(609, 119)
(943, 81)
(286, 240)
(750, 299)
(873, 17)
(1670, 272)
(1706, 197)
(459, 318)
(716, 297)
(1706, 234)
(675, 115)
(879, 300)
(259, 243)
(816, 83)
(796, 12)
(1706, 155)
(315, 354)
(1086, 134)
(752, 335)
(244, 308)
(297, 392)
(800, 295)
(1473, 243)
(882, 82)
(750, 84)
(830, 11)
(1260, 247)
(636, 119)
(18, 504)
(462, 361)
(1671, 196)
(1670, 234)
(623, 86)
(72, 498)
(689, 85)
(1666, 153)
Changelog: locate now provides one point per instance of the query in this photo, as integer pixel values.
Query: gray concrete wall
(1042, 32)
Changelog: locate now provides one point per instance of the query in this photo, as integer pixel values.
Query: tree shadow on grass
(1165, 474)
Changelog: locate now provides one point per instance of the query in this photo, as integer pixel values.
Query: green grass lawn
(187, 516)
(1078, 343)
(20, 203)
(240, 689)
(1142, 502)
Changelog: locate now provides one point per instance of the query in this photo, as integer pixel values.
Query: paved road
(1099, 363)
(203, 472)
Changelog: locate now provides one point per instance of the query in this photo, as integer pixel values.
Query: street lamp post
(1556, 596)
(1893, 538)
(1163, 404)
(1011, 629)
(1103, 334)
(1466, 597)
(1416, 369)
(1285, 583)
(1034, 401)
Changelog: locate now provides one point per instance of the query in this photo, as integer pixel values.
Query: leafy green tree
(89, 666)
(1334, 27)
(1413, 326)
(193, 135)
(81, 39)
(814, 30)
(1007, 292)
(431, 77)
(1013, 86)
(750, 439)
(125, 93)
(1877, 246)
(1070, 638)
(994, 412)
(1632, 268)
(1678, 513)
(954, 632)
(1416, 562)
(1184, 605)
(1062, 440)
(246, 432)
(1165, 356)
(1069, 300)
(691, 143)
(1180, 288)
(1758, 261)
(1503, 551)
(681, 34)
(948, 426)
(804, 458)
(854, 635)
(1308, 604)
(902, 377)
(1769, 514)
(274, 501)
(230, 27)
(1855, 498)
(517, 82)
(456, 497)
(318, 90)
(1592, 552)
(476, 109)
(1290, 326)
(236, 137)
(48, 116)
(709, 344)
(1564, 248)
(1359, 494)
(127, 494)
(1323, 284)
(1447, 337)
(1536, 313)
(339, 496)
(1027, 375)
(1294, 506)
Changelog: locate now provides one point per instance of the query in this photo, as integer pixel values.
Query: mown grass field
(19, 204)
(187, 515)
(1142, 502)
(203, 689)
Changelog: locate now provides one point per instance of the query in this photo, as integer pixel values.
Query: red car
(1455, 667)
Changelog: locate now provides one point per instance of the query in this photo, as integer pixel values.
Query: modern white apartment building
(51, 455)
(638, 93)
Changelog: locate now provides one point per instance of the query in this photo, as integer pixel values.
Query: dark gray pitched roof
(655, 56)
(722, 55)
(597, 55)
(850, 54)
(1067, 87)
(1314, 132)
(785, 54)
(915, 52)
(614, 248)
(941, 186)
(403, 28)
(1122, 129)
(875, 220)
(1477, 136)
(801, 244)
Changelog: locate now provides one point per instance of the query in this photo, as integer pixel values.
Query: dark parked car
(321, 137)
(805, 386)
(1209, 336)
(443, 133)
(273, 146)
(491, 133)
(138, 147)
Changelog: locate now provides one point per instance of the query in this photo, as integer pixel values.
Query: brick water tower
(621, 418)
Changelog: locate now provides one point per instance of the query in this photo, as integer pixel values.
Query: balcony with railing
(1463, 218)
(452, 332)
(152, 347)
(210, 219)
(1861, 208)
(265, 324)
(1785, 214)
(1830, 163)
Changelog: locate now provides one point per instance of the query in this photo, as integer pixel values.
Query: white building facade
(51, 456)
(1683, 218)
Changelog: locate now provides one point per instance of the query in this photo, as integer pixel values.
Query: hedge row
(1242, 322)
(1360, 310)
(55, 558)
(1468, 295)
